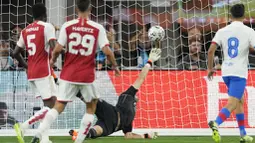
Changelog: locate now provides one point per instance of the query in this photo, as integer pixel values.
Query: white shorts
(44, 87)
(68, 91)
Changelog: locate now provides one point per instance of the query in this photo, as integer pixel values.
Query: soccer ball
(156, 33)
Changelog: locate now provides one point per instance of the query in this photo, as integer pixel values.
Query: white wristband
(148, 65)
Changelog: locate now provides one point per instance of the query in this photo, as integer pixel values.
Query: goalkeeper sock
(37, 117)
(223, 115)
(86, 123)
(240, 121)
(92, 134)
(50, 117)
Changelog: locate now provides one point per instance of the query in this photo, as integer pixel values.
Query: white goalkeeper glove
(155, 54)
(151, 135)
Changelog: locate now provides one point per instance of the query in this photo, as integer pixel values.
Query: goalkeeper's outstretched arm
(154, 56)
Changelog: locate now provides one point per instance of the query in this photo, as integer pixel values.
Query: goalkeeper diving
(120, 117)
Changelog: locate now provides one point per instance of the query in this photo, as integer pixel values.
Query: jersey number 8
(233, 44)
(87, 42)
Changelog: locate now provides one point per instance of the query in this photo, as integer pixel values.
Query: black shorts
(107, 117)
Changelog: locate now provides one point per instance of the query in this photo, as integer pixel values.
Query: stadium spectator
(115, 46)
(5, 119)
(6, 61)
(141, 43)
(194, 33)
(195, 60)
(14, 37)
(15, 34)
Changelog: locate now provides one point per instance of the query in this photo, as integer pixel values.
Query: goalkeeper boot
(19, 132)
(216, 135)
(35, 140)
(246, 139)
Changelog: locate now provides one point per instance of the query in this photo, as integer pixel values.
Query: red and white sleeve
(21, 42)
(62, 40)
(102, 38)
(49, 32)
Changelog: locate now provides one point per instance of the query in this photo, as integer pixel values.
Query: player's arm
(53, 43)
(103, 43)
(110, 55)
(214, 44)
(154, 56)
(17, 51)
(211, 53)
(130, 135)
(252, 42)
(59, 46)
(56, 52)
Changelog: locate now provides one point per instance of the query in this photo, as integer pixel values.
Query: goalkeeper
(120, 117)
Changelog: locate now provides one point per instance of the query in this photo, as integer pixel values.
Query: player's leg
(236, 88)
(90, 97)
(98, 130)
(240, 120)
(47, 91)
(67, 93)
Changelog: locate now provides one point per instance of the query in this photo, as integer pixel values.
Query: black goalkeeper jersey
(107, 114)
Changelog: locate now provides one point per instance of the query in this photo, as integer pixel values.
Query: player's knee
(92, 134)
(60, 106)
(91, 106)
(50, 102)
(232, 103)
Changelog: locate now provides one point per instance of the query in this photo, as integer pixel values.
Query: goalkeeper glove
(152, 135)
(154, 54)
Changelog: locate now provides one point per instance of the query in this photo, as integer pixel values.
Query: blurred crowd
(193, 56)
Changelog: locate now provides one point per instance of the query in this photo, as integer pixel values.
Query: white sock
(45, 137)
(86, 124)
(49, 118)
(38, 116)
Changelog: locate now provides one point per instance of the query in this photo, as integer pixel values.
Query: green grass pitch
(164, 139)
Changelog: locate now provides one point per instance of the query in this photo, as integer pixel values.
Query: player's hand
(117, 71)
(151, 135)
(210, 74)
(155, 54)
(52, 62)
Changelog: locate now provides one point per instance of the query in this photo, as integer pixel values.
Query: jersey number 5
(233, 44)
(31, 48)
(87, 42)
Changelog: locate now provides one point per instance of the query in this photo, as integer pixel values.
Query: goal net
(176, 97)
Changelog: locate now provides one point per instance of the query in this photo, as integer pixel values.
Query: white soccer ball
(156, 33)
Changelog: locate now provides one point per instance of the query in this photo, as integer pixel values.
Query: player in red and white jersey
(38, 37)
(81, 37)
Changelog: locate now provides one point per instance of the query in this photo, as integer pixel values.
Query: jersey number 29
(233, 44)
(87, 42)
